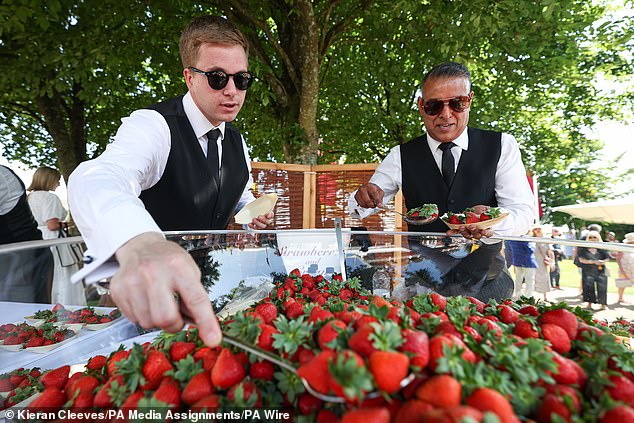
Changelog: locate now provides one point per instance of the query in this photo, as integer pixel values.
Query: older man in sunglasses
(455, 167)
(177, 165)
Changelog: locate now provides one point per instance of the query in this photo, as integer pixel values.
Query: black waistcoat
(186, 196)
(473, 183)
(19, 224)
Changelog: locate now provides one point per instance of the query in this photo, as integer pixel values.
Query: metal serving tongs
(287, 366)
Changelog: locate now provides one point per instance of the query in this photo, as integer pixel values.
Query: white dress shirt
(10, 190)
(103, 193)
(512, 191)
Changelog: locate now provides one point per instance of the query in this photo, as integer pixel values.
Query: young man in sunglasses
(455, 167)
(177, 165)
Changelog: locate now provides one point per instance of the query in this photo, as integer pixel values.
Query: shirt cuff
(104, 239)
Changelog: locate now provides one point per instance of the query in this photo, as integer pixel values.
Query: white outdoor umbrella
(614, 211)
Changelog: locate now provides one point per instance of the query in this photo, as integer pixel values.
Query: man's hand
(262, 221)
(151, 271)
(369, 196)
(470, 230)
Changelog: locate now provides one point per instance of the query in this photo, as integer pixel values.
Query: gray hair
(448, 70)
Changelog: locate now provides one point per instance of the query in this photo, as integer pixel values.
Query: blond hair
(208, 29)
(44, 179)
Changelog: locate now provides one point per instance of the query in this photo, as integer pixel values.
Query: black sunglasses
(457, 104)
(218, 79)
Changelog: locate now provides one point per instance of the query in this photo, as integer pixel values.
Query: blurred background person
(49, 213)
(558, 254)
(569, 250)
(625, 261)
(25, 276)
(594, 280)
(521, 254)
(543, 259)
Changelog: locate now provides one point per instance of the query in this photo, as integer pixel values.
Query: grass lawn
(571, 276)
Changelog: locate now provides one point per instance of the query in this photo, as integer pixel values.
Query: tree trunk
(66, 125)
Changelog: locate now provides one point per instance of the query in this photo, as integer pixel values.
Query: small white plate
(260, 206)
(99, 326)
(19, 405)
(46, 348)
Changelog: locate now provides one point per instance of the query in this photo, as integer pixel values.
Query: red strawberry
(440, 391)
(83, 400)
(265, 340)
(50, 399)
(557, 336)
(438, 300)
(113, 389)
(487, 399)
(227, 371)
(360, 341)
(471, 217)
(329, 332)
(267, 311)
(552, 406)
(154, 368)
(318, 313)
(6, 385)
(308, 404)
(262, 370)
(245, 393)
(566, 373)
(463, 413)
(55, 378)
(169, 392)
(85, 383)
(388, 369)
(416, 342)
(563, 318)
(316, 371)
(484, 216)
(114, 359)
(436, 349)
(294, 310)
(209, 403)
(618, 414)
(197, 388)
(180, 350)
(454, 219)
(96, 362)
(525, 329)
(621, 389)
(530, 310)
(35, 342)
(508, 314)
(132, 401)
(411, 411)
(208, 356)
(367, 415)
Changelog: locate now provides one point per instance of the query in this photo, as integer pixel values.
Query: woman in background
(49, 213)
(544, 258)
(593, 277)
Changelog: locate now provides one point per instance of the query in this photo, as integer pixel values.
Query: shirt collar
(462, 141)
(198, 121)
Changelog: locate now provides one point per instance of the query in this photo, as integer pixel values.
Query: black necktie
(448, 163)
(212, 153)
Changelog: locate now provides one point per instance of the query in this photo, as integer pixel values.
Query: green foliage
(348, 70)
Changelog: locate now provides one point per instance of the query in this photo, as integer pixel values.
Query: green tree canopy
(337, 78)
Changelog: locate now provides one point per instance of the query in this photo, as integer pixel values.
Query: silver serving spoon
(287, 366)
(414, 220)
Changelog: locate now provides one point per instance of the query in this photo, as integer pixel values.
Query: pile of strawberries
(86, 315)
(469, 216)
(30, 336)
(470, 361)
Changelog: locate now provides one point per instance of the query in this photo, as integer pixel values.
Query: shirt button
(218, 216)
(451, 201)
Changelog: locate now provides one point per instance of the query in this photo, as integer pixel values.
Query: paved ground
(572, 297)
